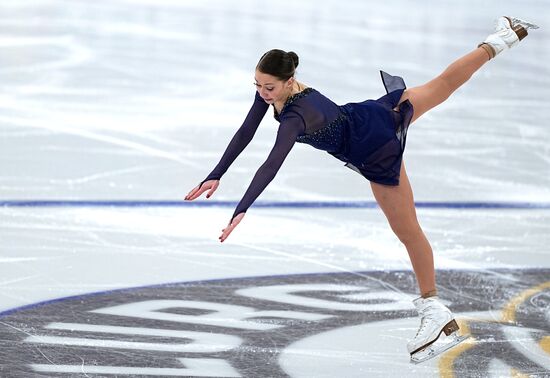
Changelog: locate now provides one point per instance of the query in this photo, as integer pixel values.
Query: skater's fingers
(211, 185)
(190, 195)
(225, 233)
(192, 191)
(214, 187)
(196, 192)
(231, 226)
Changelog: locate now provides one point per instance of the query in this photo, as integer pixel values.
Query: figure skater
(370, 138)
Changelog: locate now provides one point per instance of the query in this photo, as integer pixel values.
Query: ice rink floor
(111, 111)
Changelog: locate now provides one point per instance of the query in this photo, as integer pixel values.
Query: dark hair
(278, 63)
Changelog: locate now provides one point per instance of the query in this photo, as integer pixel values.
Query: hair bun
(294, 58)
(278, 63)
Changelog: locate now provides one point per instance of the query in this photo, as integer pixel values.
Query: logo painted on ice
(279, 326)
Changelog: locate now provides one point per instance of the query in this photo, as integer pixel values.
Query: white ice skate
(435, 320)
(508, 32)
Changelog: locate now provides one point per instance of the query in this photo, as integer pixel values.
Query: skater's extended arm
(292, 126)
(241, 139)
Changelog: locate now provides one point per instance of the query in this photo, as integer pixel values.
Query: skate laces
(426, 314)
(423, 324)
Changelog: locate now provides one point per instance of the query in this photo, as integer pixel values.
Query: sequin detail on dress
(328, 138)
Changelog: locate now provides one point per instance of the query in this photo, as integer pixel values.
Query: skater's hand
(231, 226)
(200, 189)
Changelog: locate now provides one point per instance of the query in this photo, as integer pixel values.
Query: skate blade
(437, 348)
(525, 24)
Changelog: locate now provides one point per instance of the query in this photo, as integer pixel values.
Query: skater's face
(271, 88)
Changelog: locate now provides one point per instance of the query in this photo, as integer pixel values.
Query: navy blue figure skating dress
(368, 136)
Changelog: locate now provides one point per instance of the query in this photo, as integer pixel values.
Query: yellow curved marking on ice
(446, 362)
(509, 311)
(446, 369)
(545, 344)
(516, 374)
(509, 316)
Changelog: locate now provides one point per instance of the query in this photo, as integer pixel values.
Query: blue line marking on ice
(278, 204)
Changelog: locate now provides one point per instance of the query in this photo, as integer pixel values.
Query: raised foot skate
(440, 344)
(509, 31)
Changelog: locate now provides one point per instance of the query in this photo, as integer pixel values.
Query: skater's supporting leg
(434, 92)
(436, 319)
(397, 203)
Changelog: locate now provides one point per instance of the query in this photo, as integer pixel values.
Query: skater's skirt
(375, 133)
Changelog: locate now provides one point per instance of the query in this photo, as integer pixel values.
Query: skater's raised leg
(427, 96)
(508, 32)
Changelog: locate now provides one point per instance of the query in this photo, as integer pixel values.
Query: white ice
(136, 100)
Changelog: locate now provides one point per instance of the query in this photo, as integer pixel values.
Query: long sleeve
(290, 128)
(241, 139)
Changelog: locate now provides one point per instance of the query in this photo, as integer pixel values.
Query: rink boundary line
(84, 295)
(272, 204)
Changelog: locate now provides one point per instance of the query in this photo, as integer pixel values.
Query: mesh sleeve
(290, 128)
(241, 139)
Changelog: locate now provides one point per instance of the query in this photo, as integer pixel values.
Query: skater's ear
(290, 82)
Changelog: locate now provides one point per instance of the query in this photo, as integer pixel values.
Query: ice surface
(136, 100)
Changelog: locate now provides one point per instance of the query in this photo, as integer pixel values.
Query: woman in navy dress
(370, 138)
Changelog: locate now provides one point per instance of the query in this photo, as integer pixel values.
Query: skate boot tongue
(425, 304)
(421, 301)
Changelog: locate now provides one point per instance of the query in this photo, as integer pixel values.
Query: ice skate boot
(435, 320)
(508, 32)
